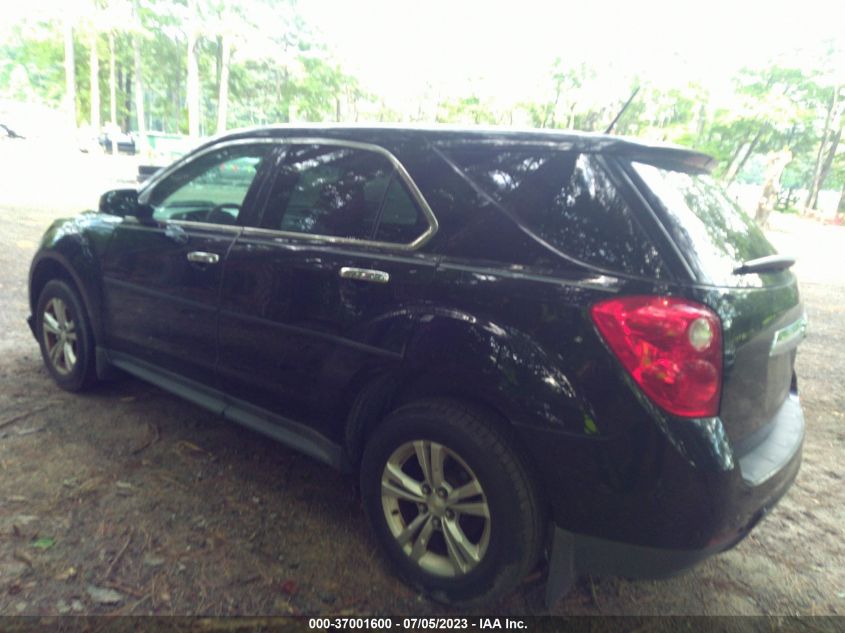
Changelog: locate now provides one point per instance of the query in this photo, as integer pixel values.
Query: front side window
(211, 188)
(340, 191)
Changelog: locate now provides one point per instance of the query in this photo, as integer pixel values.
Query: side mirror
(124, 203)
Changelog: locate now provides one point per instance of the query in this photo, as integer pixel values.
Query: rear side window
(567, 199)
(400, 221)
(709, 228)
(340, 191)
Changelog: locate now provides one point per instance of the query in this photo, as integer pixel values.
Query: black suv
(531, 345)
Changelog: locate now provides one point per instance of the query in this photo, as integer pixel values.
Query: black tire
(82, 373)
(516, 517)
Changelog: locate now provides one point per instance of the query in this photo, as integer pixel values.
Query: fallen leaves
(102, 595)
(151, 560)
(45, 542)
(191, 448)
(117, 558)
(67, 574)
(21, 416)
(23, 557)
(288, 587)
(154, 436)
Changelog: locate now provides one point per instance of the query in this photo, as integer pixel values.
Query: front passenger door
(162, 277)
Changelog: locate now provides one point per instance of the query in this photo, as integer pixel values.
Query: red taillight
(671, 347)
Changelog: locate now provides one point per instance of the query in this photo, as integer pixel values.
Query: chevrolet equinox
(532, 346)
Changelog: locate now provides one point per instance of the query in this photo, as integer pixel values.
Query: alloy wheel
(435, 508)
(60, 336)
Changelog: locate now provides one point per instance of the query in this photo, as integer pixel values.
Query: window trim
(398, 167)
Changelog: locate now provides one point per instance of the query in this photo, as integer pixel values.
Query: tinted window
(708, 227)
(401, 221)
(328, 190)
(211, 188)
(342, 192)
(568, 200)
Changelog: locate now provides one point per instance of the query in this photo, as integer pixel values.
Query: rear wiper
(767, 264)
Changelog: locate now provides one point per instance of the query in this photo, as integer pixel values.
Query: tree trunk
(840, 209)
(70, 75)
(825, 168)
(176, 104)
(777, 163)
(127, 100)
(551, 110)
(112, 91)
(139, 94)
(701, 122)
(140, 114)
(94, 65)
(738, 163)
(223, 94)
(748, 154)
(286, 81)
(813, 193)
(570, 120)
(193, 93)
(218, 62)
(730, 172)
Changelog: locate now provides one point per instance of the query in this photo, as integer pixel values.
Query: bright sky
(504, 49)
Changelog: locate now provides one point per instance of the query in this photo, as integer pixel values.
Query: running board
(288, 432)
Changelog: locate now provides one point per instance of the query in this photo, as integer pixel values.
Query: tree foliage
(259, 62)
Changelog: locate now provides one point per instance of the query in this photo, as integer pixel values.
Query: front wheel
(451, 504)
(67, 345)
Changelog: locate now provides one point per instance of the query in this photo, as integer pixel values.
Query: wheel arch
(384, 393)
(374, 395)
(52, 265)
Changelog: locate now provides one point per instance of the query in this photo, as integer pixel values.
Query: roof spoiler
(670, 158)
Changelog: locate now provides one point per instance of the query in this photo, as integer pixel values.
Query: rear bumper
(672, 532)
(764, 454)
(614, 558)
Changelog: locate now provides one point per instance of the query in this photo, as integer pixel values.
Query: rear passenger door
(306, 297)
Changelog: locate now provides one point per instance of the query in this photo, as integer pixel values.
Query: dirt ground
(128, 500)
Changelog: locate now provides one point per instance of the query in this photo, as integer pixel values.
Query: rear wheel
(64, 335)
(451, 504)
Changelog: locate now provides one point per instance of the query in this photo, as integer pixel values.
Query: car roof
(445, 135)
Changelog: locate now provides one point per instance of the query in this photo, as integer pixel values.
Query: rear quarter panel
(602, 451)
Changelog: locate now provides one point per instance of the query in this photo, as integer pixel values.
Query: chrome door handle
(365, 274)
(200, 257)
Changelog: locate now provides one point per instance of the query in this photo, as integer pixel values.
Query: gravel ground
(128, 500)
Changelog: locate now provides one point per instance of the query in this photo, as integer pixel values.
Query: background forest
(199, 67)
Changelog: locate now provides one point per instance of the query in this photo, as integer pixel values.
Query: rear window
(712, 232)
(567, 199)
